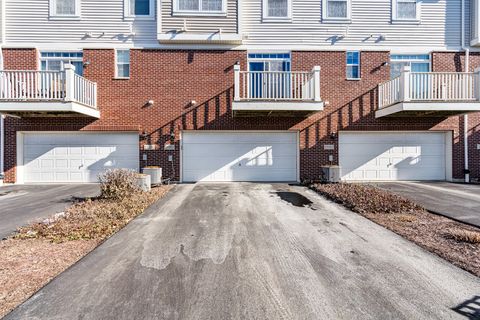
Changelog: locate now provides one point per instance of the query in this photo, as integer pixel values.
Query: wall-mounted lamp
(193, 103)
(143, 135)
(386, 63)
(333, 135)
(150, 103)
(87, 63)
(172, 137)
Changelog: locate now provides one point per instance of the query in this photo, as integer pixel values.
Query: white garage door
(393, 156)
(76, 157)
(239, 156)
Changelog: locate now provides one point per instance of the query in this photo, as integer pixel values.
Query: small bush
(461, 235)
(118, 183)
(367, 199)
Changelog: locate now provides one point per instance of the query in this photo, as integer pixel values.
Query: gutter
(465, 117)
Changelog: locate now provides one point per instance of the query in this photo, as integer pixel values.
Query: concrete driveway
(455, 200)
(21, 204)
(254, 251)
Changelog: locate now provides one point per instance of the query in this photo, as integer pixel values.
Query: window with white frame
(65, 8)
(276, 9)
(336, 9)
(122, 65)
(139, 8)
(56, 61)
(199, 6)
(416, 62)
(405, 10)
(353, 65)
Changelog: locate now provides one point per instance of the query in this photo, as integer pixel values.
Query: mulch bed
(437, 234)
(41, 251)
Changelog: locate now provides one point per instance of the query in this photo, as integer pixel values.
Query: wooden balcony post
(405, 84)
(316, 83)
(236, 69)
(69, 82)
(476, 81)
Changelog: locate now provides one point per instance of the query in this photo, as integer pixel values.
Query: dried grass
(27, 265)
(364, 198)
(93, 219)
(462, 235)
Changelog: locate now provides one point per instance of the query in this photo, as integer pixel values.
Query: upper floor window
(405, 11)
(199, 6)
(122, 65)
(339, 10)
(56, 61)
(139, 9)
(353, 65)
(416, 62)
(65, 8)
(276, 9)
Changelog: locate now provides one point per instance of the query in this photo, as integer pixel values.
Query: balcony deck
(429, 94)
(47, 94)
(277, 93)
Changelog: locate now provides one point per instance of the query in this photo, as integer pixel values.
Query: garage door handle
(80, 166)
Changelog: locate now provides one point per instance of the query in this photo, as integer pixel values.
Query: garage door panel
(408, 156)
(239, 156)
(77, 157)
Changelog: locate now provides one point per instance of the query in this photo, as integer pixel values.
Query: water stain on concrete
(294, 198)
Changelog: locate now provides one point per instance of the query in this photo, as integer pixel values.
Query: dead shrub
(462, 235)
(118, 183)
(366, 198)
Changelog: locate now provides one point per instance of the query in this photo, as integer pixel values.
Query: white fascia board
(20, 106)
(428, 106)
(277, 106)
(216, 37)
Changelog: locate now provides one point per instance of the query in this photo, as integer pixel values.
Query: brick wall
(173, 78)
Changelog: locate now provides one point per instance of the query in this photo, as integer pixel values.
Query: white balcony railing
(277, 85)
(430, 87)
(47, 86)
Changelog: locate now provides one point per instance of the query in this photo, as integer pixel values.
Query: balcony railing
(47, 86)
(277, 85)
(430, 87)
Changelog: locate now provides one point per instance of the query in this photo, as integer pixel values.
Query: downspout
(465, 117)
(2, 117)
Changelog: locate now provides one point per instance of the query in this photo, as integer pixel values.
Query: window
(276, 9)
(139, 9)
(353, 65)
(65, 8)
(336, 10)
(269, 75)
(199, 6)
(405, 11)
(417, 63)
(55, 61)
(122, 64)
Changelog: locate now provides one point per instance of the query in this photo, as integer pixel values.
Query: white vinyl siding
(227, 21)
(28, 23)
(307, 29)
(239, 156)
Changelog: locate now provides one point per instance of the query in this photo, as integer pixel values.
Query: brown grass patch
(454, 241)
(462, 235)
(27, 265)
(93, 219)
(364, 198)
(41, 251)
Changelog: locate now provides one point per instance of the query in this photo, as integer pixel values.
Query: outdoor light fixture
(333, 135)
